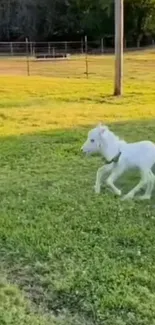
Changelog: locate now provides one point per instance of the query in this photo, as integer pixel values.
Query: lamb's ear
(102, 128)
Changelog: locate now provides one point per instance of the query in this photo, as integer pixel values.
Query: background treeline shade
(43, 20)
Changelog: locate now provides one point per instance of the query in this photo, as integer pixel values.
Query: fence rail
(54, 48)
(35, 48)
(58, 59)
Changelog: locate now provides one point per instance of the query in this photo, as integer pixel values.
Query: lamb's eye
(92, 140)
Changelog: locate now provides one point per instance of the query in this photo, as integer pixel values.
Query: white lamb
(121, 156)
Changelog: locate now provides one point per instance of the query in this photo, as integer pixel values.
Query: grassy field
(75, 66)
(68, 256)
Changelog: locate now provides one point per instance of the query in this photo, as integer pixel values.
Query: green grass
(68, 256)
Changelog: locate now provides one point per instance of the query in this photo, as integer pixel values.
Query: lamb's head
(94, 140)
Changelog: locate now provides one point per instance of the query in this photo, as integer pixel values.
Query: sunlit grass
(32, 104)
(99, 67)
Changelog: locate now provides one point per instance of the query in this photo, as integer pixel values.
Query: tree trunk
(139, 38)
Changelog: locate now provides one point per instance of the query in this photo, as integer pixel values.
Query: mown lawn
(68, 256)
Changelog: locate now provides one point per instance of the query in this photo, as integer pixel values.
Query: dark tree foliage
(42, 20)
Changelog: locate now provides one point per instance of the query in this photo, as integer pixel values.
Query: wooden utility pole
(86, 55)
(119, 36)
(27, 57)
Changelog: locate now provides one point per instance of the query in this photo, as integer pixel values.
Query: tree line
(57, 20)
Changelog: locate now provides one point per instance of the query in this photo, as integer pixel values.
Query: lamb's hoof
(144, 197)
(97, 189)
(118, 193)
(127, 197)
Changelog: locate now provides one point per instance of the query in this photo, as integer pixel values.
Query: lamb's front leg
(116, 173)
(102, 173)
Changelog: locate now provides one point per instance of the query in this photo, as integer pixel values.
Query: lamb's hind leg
(145, 179)
(149, 188)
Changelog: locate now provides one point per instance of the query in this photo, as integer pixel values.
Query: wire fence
(59, 59)
(53, 49)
